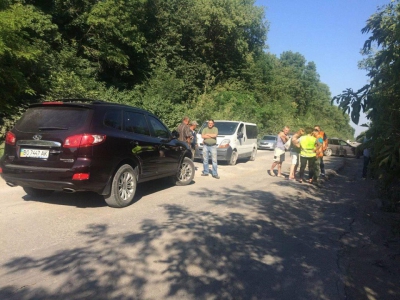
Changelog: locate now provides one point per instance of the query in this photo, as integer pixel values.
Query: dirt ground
(369, 254)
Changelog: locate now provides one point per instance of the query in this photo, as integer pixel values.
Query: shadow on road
(253, 246)
(91, 199)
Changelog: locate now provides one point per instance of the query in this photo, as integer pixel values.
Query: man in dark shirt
(184, 131)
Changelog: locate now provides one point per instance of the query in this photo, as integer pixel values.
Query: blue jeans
(213, 151)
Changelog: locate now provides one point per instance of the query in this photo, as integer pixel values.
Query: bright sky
(327, 32)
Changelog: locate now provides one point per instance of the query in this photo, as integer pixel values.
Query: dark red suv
(92, 145)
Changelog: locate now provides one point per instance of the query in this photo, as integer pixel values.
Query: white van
(236, 139)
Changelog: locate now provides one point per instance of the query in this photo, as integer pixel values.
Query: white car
(267, 142)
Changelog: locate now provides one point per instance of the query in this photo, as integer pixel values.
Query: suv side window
(159, 129)
(135, 122)
(113, 119)
(343, 143)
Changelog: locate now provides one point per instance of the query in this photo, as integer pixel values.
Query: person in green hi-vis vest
(309, 145)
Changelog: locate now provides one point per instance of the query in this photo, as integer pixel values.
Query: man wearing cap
(193, 142)
(320, 166)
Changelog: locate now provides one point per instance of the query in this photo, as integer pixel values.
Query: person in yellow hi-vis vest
(308, 145)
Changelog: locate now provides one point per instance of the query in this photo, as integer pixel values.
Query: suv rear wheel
(123, 187)
(185, 173)
(37, 192)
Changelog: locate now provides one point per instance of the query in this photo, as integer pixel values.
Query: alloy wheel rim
(126, 186)
(185, 172)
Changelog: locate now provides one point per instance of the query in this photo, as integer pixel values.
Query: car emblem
(37, 137)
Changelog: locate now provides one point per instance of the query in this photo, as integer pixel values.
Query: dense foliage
(202, 58)
(380, 99)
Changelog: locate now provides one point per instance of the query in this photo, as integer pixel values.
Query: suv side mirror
(175, 134)
(240, 135)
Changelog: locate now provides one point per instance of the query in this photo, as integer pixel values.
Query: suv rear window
(52, 118)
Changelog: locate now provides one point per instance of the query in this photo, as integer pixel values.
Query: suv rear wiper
(52, 128)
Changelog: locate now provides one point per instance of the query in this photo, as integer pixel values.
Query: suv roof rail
(83, 100)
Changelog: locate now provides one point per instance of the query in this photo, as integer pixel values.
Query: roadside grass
(1, 149)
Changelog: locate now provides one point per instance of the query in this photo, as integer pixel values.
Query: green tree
(25, 37)
(380, 99)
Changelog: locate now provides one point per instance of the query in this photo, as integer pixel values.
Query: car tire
(253, 155)
(234, 158)
(123, 187)
(328, 152)
(37, 192)
(185, 173)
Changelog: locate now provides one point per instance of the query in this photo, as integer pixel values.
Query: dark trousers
(322, 165)
(303, 163)
(367, 160)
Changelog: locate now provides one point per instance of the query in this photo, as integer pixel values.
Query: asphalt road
(245, 236)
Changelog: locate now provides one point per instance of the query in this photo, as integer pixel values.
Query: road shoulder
(370, 248)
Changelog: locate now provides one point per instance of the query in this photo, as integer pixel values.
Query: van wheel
(253, 155)
(185, 173)
(328, 152)
(37, 192)
(233, 159)
(123, 187)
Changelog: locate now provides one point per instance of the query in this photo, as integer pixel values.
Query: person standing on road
(295, 153)
(320, 156)
(307, 154)
(184, 131)
(193, 142)
(209, 135)
(367, 157)
(279, 152)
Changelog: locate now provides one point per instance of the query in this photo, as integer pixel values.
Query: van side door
(251, 137)
(241, 140)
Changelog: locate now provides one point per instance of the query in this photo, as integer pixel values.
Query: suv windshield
(269, 138)
(224, 128)
(52, 118)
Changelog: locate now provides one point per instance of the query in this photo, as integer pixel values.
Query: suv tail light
(81, 176)
(10, 138)
(83, 140)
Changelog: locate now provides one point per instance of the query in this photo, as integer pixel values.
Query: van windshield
(224, 128)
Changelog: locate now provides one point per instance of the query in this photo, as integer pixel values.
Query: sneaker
(204, 174)
(216, 176)
(322, 175)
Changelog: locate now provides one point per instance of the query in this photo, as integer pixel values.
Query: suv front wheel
(123, 187)
(185, 173)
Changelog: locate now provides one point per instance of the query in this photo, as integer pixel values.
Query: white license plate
(34, 153)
